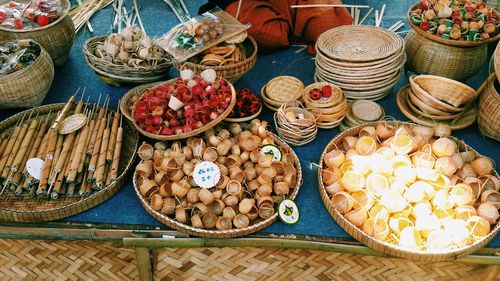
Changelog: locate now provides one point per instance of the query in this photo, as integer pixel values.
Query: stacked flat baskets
(361, 112)
(231, 72)
(433, 99)
(329, 111)
(365, 61)
(488, 118)
(28, 86)
(115, 74)
(56, 37)
(280, 90)
(387, 242)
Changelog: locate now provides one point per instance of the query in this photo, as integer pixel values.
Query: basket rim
(449, 42)
(170, 222)
(472, 92)
(90, 55)
(80, 204)
(386, 247)
(43, 53)
(244, 119)
(197, 131)
(64, 14)
(248, 60)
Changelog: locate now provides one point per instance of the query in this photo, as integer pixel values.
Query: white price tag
(206, 174)
(34, 166)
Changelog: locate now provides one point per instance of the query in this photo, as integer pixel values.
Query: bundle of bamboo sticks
(81, 161)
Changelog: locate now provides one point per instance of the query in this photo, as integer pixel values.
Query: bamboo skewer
(51, 146)
(99, 173)
(89, 135)
(329, 6)
(366, 16)
(112, 136)
(116, 154)
(93, 138)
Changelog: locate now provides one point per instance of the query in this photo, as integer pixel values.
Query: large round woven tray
(139, 90)
(359, 43)
(116, 74)
(382, 246)
(450, 42)
(170, 222)
(465, 120)
(24, 209)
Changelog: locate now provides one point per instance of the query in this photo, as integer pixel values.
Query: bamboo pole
(79, 153)
(25, 144)
(5, 139)
(58, 183)
(329, 6)
(97, 145)
(116, 154)
(87, 141)
(38, 140)
(15, 148)
(94, 132)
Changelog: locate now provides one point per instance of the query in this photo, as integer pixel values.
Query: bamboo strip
(366, 16)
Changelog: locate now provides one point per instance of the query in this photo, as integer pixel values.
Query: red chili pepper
(470, 9)
(18, 23)
(423, 5)
(481, 5)
(455, 14)
(425, 25)
(3, 16)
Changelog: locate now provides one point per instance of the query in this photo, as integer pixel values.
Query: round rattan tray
(137, 91)
(386, 247)
(24, 209)
(170, 222)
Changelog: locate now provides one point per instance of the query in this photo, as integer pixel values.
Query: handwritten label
(206, 174)
(34, 166)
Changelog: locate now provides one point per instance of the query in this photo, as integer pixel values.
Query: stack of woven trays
(431, 99)
(295, 124)
(365, 61)
(280, 90)
(361, 112)
(330, 111)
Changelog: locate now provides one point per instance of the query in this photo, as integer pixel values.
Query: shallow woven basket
(425, 96)
(170, 222)
(139, 90)
(231, 72)
(56, 37)
(29, 86)
(386, 247)
(444, 89)
(488, 117)
(429, 57)
(449, 42)
(24, 209)
(116, 74)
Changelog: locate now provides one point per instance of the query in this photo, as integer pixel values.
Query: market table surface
(124, 209)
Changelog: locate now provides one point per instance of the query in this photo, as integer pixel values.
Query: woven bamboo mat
(65, 260)
(288, 264)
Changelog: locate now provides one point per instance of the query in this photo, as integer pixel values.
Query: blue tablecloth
(124, 208)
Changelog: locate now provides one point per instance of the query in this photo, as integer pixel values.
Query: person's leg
(270, 20)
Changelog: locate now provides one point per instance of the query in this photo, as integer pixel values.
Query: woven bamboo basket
(430, 99)
(429, 57)
(116, 74)
(260, 224)
(231, 72)
(139, 90)
(56, 37)
(383, 246)
(444, 89)
(29, 86)
(24, 209)
(488, 117)
(448, 42)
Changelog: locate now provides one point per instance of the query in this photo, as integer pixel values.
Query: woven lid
(359, 43)
(284, 88)
(366, 110)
